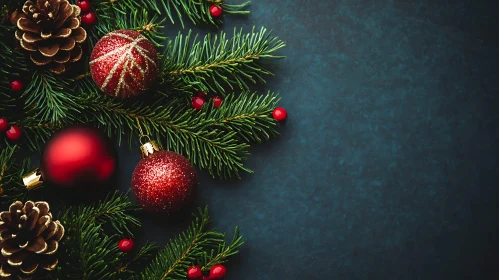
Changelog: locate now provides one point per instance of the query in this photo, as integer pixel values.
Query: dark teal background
(387, 167)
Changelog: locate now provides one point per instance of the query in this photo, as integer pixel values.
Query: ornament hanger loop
(142, 137)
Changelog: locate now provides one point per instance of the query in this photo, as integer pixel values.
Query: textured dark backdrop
(387, 167)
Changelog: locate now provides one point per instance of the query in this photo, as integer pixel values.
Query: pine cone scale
(50, 30)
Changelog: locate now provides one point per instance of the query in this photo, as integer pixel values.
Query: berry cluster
(89, 17)
(201, 98)
(13, 132)
(216, 272)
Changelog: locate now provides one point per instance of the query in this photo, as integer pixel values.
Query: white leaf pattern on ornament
(124, 63)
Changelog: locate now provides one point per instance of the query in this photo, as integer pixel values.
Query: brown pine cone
(29, 238)
(50, 30)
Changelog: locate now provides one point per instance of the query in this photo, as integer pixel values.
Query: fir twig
(90, 251)
(11, 187)
(183, 251)
(216, 62)
(197, 11)
(47, 98)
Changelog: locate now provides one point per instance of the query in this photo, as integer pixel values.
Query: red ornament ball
(197, 103)
(215, 10)
(16, 85)
(279, 114)
(217, 101)
(78, 156)
(3, 124)
(89, 18)
(194, 272)
(13, 133)
(124, 63)
(84, 5)
(218, 271)
(125, 245)
(164, 182)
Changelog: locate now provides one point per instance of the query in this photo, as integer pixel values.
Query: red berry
(279, 114)
(16, 85)
(194, 272)
(202, 94)
(218, 271)
(3, 124)
(84, 5)
(217, 101)
(13, 133)
(125, 245)
(215, 10)
(89, 18)
(197, 103)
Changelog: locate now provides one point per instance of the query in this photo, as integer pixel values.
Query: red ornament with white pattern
(124, 63)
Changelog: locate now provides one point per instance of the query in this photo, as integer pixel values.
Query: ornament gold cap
(33, 179)
(149, 148)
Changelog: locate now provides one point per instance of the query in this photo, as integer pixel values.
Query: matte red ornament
(78, 156)
(217, 101)
(279, 114)
(16, 85)
(218, 271)
(3, 124)
(197, 103)
(215, 10)
(125, 245)
(163, 181)
(84, 5)
(124, 63)
(194, 272)
(13, 133)
(89, 18)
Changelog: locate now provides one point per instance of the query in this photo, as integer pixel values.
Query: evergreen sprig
(196, 11)
(193, 245)
(89, 250)
(11, 187)
(52, 102)
(215, 62)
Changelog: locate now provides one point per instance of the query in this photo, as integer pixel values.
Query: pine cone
(28, 239)
(50, 30)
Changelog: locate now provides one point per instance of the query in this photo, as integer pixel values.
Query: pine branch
(197, 11)
(217, 62)
(89, 251)
(47, 98)
(246, 114)
(11, 187)
(137, 19)
(222, 253)
(183, 251)
(176, 128)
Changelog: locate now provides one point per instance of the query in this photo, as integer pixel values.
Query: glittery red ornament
(124, 63)
(163, 181)
(78, 156)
